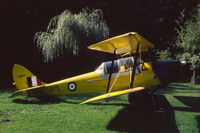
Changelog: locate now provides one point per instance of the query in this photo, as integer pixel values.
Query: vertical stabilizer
(23, 78)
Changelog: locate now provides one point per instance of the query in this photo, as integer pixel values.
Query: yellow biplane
(127, 74)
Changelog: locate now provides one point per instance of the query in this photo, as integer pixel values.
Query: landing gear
(147, 98)
(140, 97)
(154, 99)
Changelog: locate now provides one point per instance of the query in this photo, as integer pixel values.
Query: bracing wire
(114, 80)
(117, 76)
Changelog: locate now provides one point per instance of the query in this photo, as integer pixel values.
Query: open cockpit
(119, 65)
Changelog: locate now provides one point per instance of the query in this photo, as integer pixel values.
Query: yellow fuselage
(94, 82)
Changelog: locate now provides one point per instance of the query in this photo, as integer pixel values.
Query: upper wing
(25, 90)
(124, 44)
(113, 94)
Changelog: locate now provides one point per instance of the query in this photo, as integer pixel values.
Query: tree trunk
(193, 77)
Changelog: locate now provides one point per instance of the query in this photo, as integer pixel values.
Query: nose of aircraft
(168, 70)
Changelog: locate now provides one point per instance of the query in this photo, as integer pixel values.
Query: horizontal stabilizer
(124, 44)
(113, 94)
(16, 93)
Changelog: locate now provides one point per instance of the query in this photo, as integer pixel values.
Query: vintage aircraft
(122, 76)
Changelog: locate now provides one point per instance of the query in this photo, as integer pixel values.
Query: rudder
(23, 78)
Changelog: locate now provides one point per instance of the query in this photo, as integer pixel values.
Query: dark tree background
(20, 20)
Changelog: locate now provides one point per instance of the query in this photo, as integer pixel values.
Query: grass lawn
(181, 102)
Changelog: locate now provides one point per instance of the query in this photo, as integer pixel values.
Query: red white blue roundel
(72, 86)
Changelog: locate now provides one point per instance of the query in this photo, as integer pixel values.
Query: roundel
(72, 86)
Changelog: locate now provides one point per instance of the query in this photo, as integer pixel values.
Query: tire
(140, 97)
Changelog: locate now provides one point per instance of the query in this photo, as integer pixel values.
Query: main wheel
(140, 97)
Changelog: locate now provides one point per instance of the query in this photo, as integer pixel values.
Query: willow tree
(188, 41)
(71, 33)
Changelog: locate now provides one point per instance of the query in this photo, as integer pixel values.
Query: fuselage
(147, 74)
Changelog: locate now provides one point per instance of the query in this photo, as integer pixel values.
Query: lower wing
(113, 94)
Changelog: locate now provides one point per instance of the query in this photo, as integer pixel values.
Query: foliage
(164, 54)
(194, 59)
(188, 41)
(71, 33)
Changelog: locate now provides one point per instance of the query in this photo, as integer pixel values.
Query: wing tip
(82, 103)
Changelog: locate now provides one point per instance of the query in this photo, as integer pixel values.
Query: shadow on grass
(71, 99)
(139, 119)
(179, 85)
(3, 92)
(54, 100)
(198, 122)
(192, 102)
(43, 100)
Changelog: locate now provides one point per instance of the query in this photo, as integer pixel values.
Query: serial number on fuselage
(53, 89)
(21, 76)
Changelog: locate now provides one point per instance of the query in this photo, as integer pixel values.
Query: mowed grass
(180, 101)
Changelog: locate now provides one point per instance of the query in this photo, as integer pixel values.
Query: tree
(188, 41)
(71, 33)
(164, 54)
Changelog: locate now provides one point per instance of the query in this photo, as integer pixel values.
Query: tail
(23, 78)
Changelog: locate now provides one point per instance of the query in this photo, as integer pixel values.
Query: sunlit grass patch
(179, 100)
